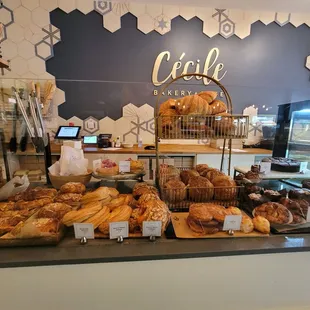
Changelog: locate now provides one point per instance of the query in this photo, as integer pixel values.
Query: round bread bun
(145, 198)
(199, 168)
(204, 172)
(212, 174)
(187, 174)
(261, 224)
(200, 189)
(224, 188)
(174, 191)
(73, 187)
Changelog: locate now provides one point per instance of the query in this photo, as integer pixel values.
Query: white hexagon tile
(49, 5)
(85, 6)
(26, 49)
(30, 4)
(111, 21)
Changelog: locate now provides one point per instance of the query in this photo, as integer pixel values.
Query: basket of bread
(58, 180)
(180, 188)
(200, 116)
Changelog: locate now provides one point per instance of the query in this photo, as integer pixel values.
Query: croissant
(224, 125)
(193, 104)
(168, 118)
(167, 105)
(218, 106)
(208, 96)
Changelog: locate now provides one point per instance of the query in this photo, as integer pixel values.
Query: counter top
(69, 251)
(164, 149)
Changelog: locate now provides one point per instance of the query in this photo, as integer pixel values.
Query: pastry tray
(120, 177)
(183, 231)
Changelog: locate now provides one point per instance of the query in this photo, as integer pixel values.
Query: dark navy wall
(266, 68)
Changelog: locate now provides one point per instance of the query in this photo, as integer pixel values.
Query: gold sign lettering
(211, 67)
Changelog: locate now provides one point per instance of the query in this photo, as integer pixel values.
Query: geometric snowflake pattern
(139, 127)
(226, 25)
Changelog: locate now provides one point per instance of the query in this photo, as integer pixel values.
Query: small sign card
(308, 215)
(232, 222)
(96, 164)
(303, 166)
(84, 230)
(265, 167)
(124, 166)
(151, 229)
(118, 229)
(12, 100)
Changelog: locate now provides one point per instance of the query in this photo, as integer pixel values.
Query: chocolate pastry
(252, 188)
(258, 199)
(306, 184)
(299, 194)
(239, 177)
(272, 195)
(252, 175)
(255, 168)
(285, 164)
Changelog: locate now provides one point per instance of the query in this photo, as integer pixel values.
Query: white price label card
(303, 166)
(124, 166)
(308, 215)
(118, 229)
(265, 167)
(232, 222)
(96, 164)
(151, 229)
(84, 230)
(12, 100)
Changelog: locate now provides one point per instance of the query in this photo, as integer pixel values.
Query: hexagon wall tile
(19, 65)
(40, 17)
(107, 124)
(171, 11)
(162, 24)
(111, 22)
(210, 27)
(49, 5)
(103, 7)
(52, 34)
(12, 4)
(26, 49)
(120, 9)
(85, 6)
(91, 125)
(37, 65)
(154, 10)
(44, 50)
(282, 18)
(15, 33)
(137, 9)
(6, 16)
(308, 62)
(204, 13)
(22, 16)
(9, 49)
(145, 23)
(67, 5)
(227, 28)
(267, 17)
(187, 12)
(59, 97)
(30, 4)
(243, 30)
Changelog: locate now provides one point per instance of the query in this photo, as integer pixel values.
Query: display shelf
(275, 175)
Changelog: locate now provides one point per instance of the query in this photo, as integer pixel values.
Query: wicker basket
(58, 181)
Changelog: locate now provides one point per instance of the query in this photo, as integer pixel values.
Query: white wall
(256, 282)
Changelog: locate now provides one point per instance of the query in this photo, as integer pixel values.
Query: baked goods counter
(69, 251)
(164, 149)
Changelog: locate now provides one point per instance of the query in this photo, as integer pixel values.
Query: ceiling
(302, 6)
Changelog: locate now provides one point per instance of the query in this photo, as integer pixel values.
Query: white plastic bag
(15, 186)
(72, 161)
(54, 169)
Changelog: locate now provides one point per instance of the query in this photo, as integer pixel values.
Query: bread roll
(28, 205)
(224, 125)
(192, 104)
(261, 224)
(92, 204)
(247, 225)
(234, 210)
(218, 106)
(54, 210)
(224, 188)
(145, 198)
(205, 171)
(100, 193)
(187, 174)
(79, 216)
(99, 217)
(69, 198)
(143, 188)
(212, 174)
(208, 96)
(129, 200)
(200, 189)
(199, 168)
(73, 187)
(174, 191)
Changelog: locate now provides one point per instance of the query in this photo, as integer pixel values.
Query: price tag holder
(82, 230)
(232, 222)
(96, 164)
(124, 166)
(119, 229)
(151, 229)
(308, 215)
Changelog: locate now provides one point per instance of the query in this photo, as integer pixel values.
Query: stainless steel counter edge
(103, 251)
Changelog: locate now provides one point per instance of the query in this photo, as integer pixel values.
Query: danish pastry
(69, 198)
(28, 205)
(274, 213)
(79, 216)
(73, 187)
(101, 193)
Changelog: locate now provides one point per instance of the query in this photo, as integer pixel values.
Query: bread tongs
(37, 131)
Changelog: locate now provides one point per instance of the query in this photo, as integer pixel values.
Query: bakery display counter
(69, 251)
(164, 148)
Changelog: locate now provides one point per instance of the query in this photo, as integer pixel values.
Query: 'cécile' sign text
(178, 68)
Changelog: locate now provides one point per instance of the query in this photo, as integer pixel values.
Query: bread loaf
(174, 191)
(212, 174)
(187, 174)
(224, 188)
(54, 210)
(73, 187)
(201, 167)
(200, 189)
